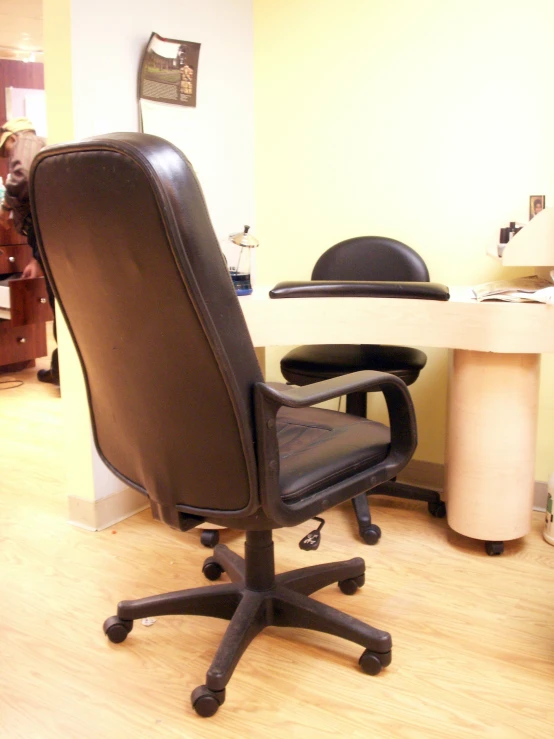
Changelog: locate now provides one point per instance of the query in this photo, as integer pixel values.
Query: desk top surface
(460, 323)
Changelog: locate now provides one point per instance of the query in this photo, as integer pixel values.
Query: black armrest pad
(355, 289)
(317, 392)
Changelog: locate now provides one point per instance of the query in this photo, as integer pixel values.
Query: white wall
(108, 40)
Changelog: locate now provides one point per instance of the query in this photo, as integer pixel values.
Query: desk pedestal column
(490, 454)
(260, 355)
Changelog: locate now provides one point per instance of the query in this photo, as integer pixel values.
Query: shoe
(47, 375)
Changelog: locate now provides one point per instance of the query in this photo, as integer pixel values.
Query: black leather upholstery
(321, 447)
(178, 406)
(118, 258)
(360, 289)
(322, 361)
(371, 258)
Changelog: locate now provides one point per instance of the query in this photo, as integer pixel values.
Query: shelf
(534, 244)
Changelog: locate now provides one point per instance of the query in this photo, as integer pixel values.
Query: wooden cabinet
(23, 319)
(13, 258)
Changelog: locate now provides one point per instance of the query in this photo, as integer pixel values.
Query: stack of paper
(531, 289)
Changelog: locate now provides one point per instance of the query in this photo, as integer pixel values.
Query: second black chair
(366, 258)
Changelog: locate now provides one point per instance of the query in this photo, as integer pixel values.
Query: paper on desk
(531, 289)
(461, 293)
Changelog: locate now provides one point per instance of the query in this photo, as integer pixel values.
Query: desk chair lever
(312, 540)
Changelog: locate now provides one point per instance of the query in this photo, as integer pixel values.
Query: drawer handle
(42, 300)
(21, 340)
(11, 259)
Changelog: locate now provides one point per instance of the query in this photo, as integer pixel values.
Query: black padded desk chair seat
(370, 258)
(178, 405)
(307, 364)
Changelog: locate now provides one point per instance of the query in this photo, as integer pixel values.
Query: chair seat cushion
(307, 364)
(318, 447)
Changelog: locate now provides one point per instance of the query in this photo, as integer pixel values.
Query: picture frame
(169, 71)
(536, 204)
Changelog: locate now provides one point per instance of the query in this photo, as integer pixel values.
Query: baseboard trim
(95, 515)
(431, 475)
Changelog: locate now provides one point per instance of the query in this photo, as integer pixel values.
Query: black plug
(312, 540)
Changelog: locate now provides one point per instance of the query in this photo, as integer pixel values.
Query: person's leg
(53, 374)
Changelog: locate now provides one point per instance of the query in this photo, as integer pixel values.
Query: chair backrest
(371, 258)
(168, 363)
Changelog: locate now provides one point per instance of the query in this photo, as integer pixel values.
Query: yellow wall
(59, 100)
(58, 78)
(429, 122)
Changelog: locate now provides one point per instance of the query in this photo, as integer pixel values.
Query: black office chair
(373, 258)
(178, 405)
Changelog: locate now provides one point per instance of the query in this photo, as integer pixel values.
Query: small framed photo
(536, 204)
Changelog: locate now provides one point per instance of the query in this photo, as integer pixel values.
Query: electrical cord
(11, 383)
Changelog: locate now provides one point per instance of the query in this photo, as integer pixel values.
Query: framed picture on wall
(169, 71)
(536, 204)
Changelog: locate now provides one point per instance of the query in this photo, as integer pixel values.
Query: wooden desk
(492, 387)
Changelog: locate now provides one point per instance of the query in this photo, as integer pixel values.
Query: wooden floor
(473, 635)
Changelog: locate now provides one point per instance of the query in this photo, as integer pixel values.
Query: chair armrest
(269, 397)
(293, 396)
(360, 289)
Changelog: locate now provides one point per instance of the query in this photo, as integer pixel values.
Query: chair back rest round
(371, 258)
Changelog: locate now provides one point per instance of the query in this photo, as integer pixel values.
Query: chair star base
(256, 598)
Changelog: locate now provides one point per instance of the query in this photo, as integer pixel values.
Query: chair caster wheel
(211, 569)
(372, 534)
(373, 662)
(494, 547)
(117, 629)
(350, 586)
(209, 538)
(438, 510)
(205, 701)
